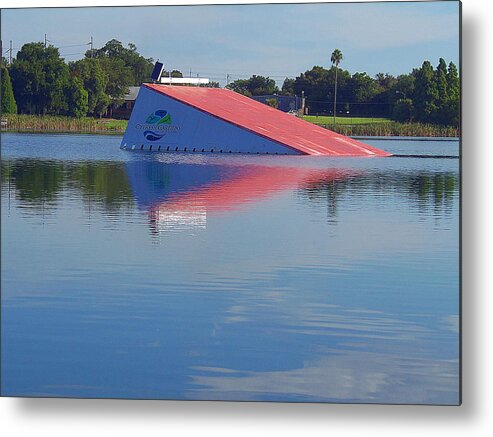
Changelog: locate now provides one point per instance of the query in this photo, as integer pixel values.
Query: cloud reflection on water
(343, 376)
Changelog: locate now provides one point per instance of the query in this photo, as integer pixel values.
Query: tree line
(39, 81)
(42, 83)
(425, 95)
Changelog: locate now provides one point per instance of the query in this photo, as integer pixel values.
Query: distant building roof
(133, 92)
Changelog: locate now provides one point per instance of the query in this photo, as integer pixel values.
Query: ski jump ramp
(169, 118)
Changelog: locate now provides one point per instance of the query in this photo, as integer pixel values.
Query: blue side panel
(160, 123)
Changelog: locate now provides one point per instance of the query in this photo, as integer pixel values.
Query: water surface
(175, 276)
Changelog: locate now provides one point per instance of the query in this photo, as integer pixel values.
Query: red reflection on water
(251, 184)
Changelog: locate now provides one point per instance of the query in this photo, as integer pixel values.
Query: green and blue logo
(157, 125)
(159, 117)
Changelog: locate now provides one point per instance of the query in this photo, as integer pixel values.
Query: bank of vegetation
(395, 129)
(360, 127)
(386, 128)
(60, 123)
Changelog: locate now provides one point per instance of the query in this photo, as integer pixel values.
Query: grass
(112, 124)
(361, 126)
(344, 125)
(394, 129)
(327, 119)
(51, 123)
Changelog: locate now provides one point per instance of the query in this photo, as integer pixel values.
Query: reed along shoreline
(60, 124)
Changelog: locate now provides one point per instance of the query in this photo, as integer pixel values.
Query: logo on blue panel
(159, 117)
(157, 125)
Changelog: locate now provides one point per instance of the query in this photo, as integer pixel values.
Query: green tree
(95, 81)
(174, 73)
(453, 85)
(336, 59)
(288, 87)
(255, 86)
(442, 92)
(77, 98)
(260, 85)
(39, 77)
(453, 103)
(363, 90)
(8, 105)
(211, 84)
(318, 85)
(441, 78)
(139, 68)
(240, 86)
(403, 87)
(119, 79)
(384, 97)
(403, 110)
(425, 94)
(123, 67)
(385, 81)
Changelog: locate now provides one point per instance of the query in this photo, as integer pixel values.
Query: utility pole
(91, 43)
(227, 79)
(45, 40)
(10, 53)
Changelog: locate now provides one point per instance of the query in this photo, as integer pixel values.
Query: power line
(345, 102)
(46, 41)
(71, 54)
(228, 77)
(73, 45)
(216, 75)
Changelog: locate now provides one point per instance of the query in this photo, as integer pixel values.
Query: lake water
(174, 276)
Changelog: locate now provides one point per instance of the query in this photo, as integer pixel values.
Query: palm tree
(335, 58)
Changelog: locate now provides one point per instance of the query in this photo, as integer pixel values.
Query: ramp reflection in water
(178, 195)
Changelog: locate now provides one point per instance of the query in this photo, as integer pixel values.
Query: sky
(275, 40)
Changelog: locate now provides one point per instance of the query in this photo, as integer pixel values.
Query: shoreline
(61, 131)
(120, 133)
(87, 125)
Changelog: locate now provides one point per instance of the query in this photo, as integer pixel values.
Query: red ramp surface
(267, 122)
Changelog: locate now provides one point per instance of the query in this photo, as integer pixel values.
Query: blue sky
(279, 41)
